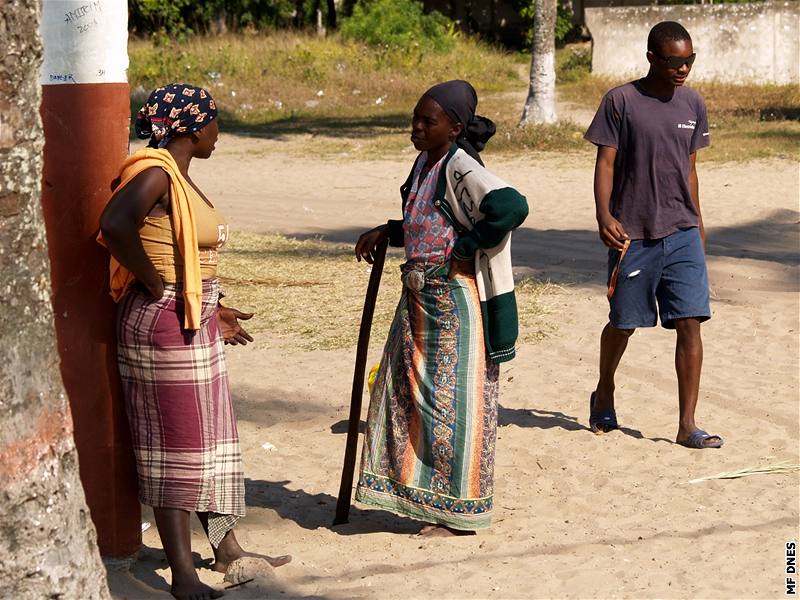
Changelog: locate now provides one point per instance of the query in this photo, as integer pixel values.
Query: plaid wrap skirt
(179, 407)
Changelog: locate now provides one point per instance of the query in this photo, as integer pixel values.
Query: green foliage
(564, 24)
(573, 63)
(562, 136)
(399, 24)
(178, 18)
(160, 17)
(565, 29)
(679, 2)
(266, 78)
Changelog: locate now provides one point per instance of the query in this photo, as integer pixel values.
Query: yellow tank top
(159, 241)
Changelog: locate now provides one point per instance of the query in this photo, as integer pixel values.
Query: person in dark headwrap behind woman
(429, 449)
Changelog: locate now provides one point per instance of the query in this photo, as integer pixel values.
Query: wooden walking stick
(348, 469)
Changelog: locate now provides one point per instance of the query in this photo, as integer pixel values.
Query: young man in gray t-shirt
(648, 212)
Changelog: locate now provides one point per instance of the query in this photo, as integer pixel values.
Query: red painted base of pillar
(86, 140)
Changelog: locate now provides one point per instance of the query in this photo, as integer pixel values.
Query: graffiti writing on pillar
(463, 196)
(63, 77)
(84, 18)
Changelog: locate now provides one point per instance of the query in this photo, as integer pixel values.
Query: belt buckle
(415, 280)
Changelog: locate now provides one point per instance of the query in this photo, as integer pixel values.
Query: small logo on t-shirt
(688, 125)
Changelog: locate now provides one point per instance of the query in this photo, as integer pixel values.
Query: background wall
(741, 43)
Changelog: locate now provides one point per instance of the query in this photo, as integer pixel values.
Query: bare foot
(442, 531)
(221, 565)
(194, 590)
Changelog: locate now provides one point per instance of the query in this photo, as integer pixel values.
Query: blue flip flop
(697, 440)
(601, 421)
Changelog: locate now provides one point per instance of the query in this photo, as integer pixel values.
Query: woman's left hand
(461, 267)
(232, 332)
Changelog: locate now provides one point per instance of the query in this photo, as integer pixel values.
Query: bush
(573, 63)
(181, 18)
(262, 79)
(399, 24)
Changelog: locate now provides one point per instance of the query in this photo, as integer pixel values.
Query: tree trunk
(47, 540)
(540, 107)
(318, 18)
(347, 7)
(331, 16)
(219, 25)
(460, 14)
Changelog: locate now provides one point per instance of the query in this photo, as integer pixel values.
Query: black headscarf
(459, 100)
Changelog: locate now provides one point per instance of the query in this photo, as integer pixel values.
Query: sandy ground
(577, 515)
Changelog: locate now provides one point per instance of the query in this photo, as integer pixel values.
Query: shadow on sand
(576, 256)
(312, 511)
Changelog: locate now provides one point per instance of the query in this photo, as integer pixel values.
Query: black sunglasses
(676, 62)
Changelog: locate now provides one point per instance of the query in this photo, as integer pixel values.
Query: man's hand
(694, 190)
(369, 241)
(611, 231)
(232, 332)
(703, 236)
(461, 267)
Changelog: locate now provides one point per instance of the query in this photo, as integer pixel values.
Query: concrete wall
(741, 43)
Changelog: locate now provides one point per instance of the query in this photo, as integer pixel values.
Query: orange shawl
(183, 226)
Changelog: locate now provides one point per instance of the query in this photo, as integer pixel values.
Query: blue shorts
(665, 277)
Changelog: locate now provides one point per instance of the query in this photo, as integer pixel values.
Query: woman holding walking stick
(430, 442)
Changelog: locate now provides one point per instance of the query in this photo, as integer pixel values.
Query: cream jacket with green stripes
(484, 210)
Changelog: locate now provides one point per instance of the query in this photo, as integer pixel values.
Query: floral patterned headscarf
(172, 110)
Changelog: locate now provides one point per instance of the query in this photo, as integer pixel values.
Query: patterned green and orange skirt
(432, 424)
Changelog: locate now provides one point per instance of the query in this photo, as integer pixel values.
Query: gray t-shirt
(654, 138)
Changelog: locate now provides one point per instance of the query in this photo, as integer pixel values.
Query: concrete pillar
(85, 113)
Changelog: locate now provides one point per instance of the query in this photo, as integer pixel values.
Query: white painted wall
(85, 41)
(741, 43)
